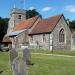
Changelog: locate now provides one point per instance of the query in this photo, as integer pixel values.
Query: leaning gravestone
(27, 56)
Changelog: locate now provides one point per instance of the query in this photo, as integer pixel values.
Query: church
(52, 33)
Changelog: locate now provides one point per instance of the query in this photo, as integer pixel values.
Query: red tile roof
(26, 24)
(46, 25)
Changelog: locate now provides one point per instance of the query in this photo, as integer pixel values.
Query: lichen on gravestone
(13, 55)
(19, 67)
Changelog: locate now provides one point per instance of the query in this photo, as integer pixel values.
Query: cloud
(47, 9)
(31, 8)
(70, 8)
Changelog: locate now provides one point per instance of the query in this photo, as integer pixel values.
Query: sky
(46, 8)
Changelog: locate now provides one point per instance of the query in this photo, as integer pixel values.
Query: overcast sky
(46, 7)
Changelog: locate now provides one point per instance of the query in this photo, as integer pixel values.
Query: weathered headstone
(19, 60)
(13, 55)
(19, 67)
(27, 56)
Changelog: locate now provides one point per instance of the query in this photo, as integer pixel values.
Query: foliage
(32, 13)
(3, 27)
(72, 25)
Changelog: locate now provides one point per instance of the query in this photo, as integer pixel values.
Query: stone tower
(16, 16)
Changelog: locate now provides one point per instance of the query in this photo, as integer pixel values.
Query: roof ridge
(46, 25)
(55, 16)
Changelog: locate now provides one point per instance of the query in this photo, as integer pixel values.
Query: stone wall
(52, 39)
(73, 42)
(21, 39)
(66, 45)
(45, 43)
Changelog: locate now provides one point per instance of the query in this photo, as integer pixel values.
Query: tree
(3, 27)
(72, 25)
(32, 13)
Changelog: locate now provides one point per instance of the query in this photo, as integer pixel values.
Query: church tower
(16, 16)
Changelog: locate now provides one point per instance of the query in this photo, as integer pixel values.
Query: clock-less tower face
(16, 16)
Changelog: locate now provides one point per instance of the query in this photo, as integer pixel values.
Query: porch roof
(15, 33)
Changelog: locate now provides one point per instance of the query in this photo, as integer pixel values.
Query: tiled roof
(46, 25)
(6, 39)
(26, 24)
(15, 33)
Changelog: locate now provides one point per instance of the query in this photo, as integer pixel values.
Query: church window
(44, 38)
(19, 17)
(61, 36)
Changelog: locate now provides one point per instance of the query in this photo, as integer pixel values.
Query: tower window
(19, 17)
(61, 36)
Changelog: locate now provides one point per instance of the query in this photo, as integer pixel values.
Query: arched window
(19, 16)
(61, 36)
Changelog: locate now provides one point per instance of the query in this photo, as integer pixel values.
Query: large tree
(3, 27)
(32, 13)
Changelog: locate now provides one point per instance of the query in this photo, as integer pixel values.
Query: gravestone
(20, 59)
(27, 56)
(19, 67)
(13, 55)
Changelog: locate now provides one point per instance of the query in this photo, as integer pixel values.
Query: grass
(52, 65)
(43, 64)
(4, 64)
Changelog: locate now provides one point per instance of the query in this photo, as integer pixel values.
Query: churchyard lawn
(4, 64)
(43, 64)
(59, 52)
